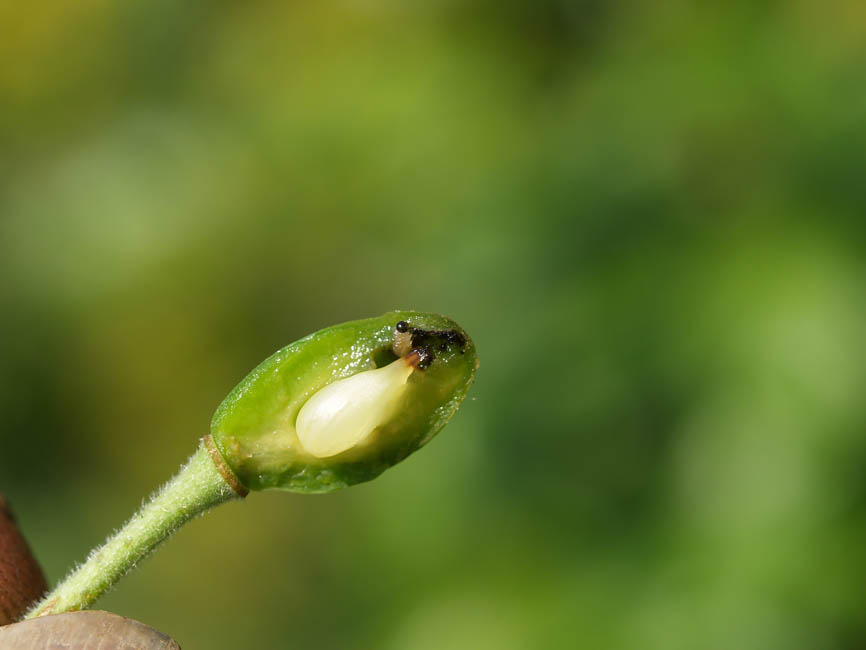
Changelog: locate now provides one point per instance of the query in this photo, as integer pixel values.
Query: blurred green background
(649, 216)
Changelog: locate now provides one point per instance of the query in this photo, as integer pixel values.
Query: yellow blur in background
(648, 215)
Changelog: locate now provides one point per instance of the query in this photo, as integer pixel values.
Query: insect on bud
(342, 405)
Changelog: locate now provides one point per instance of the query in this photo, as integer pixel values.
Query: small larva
(402, 339)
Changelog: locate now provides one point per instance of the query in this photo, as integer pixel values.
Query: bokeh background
(651, 217)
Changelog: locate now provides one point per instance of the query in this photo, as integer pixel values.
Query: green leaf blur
(648, 216)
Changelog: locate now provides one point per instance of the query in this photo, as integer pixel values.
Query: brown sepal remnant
(22, 582)
(90, 630)
(223, 468)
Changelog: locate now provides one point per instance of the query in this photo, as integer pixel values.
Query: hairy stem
(197, 487)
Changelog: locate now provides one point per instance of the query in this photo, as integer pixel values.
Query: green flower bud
(344, 404)
(336, 408)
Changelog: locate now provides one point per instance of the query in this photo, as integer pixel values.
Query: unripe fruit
(342, 405)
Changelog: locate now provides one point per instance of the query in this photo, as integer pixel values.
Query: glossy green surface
(254, 427)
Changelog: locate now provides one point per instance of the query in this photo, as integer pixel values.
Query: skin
(21, 578)
(84, 631)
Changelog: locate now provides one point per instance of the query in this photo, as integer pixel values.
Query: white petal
(342, 414)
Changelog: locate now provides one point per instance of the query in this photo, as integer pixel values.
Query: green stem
(197, 487)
